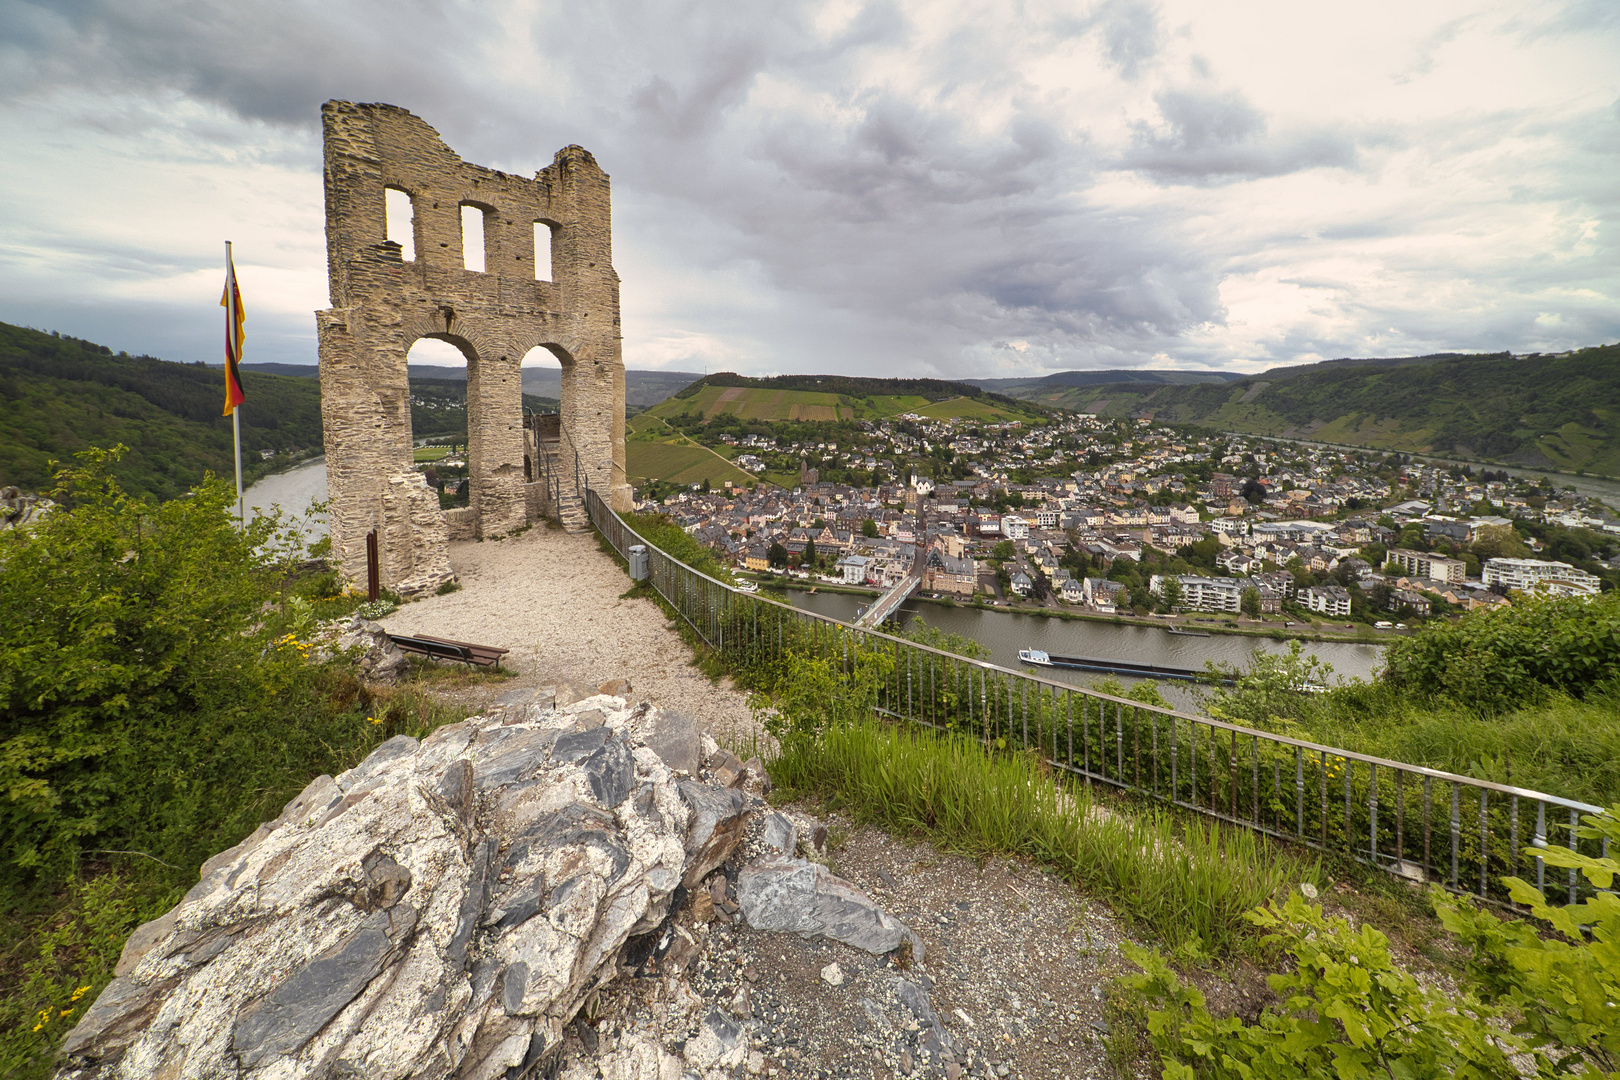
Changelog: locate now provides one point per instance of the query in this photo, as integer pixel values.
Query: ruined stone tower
(383, 303)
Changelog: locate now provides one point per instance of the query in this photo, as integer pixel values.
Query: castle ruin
(520, 469)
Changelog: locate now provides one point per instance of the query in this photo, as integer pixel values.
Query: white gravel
(553, 599)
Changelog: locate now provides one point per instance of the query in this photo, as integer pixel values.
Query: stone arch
(382, 305)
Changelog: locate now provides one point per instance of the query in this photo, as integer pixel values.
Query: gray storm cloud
(842, 182)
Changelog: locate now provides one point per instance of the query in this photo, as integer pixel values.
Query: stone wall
(382, 304)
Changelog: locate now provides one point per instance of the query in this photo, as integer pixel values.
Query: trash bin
(638, 562)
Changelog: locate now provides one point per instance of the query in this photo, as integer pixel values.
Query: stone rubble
(378, 659)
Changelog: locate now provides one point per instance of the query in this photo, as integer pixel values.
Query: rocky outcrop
(465, 906)
(442, 910)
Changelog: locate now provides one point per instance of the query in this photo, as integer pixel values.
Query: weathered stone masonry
(382, 304)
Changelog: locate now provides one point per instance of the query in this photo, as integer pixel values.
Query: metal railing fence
(1423, 824)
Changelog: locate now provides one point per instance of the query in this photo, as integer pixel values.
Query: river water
(293, 491)
(1004, 633)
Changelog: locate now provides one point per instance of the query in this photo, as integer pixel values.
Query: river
(293, 491)
(1004, 633)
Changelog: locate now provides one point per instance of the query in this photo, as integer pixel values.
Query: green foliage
(1345, 1011)
(1496, 659)
(127, 622)
(1276, 686)
(1564, 985)
(63, 396)
(70, 959)
(869, 529)
(814, 695)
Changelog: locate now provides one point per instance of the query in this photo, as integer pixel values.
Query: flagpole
(236, 423)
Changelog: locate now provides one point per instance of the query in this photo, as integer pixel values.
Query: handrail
(1154, 751)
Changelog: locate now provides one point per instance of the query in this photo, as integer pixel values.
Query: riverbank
(1272, 633)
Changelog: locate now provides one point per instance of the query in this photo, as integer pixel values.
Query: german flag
(232, 303)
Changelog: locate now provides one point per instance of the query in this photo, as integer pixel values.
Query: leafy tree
(776, 554)
(1251, 602)
(1170, 592)
(810, 553)
(1003, 551)
(869, 529)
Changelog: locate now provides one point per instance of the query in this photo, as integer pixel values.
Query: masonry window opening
(544, 234)
(401, 216)
(472, 238)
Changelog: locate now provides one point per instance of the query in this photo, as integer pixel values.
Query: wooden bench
(445, 649)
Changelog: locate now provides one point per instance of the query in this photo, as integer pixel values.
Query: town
(1115, 517)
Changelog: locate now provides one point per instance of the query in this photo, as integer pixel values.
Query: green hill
(834, 398)
(62, 395)
(1056, 383)
(1560, 412)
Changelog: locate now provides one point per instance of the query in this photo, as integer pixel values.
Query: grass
(430, 453)
(1188, 883)
(679, 463)
(1563, 746)
(964, 408)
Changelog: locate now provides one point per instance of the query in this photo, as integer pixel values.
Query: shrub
(1497, 659)
(128, 623)
(1346, 1010)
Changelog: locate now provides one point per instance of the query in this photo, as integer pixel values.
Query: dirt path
(553, 599)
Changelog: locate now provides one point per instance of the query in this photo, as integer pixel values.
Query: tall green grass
(1188, 884)
(1558, 744)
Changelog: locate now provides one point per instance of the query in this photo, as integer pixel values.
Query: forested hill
(59, 395)
(1558, 412)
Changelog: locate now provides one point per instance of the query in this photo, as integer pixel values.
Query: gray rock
(799, 896)
(443, 909)
(780, 835)
(285, 1019)
(611, 771)
(718, 821)
(675, 738)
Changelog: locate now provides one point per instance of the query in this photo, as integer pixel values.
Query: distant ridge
(1558, 411)
(1104, 377)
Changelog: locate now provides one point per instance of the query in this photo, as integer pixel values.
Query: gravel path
(553, 598)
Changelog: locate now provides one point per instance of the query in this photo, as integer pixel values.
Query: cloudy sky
(894, 187)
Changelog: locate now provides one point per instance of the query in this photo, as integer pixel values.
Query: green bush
(1346, 1009)
(132, 657)
(1498, 659)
